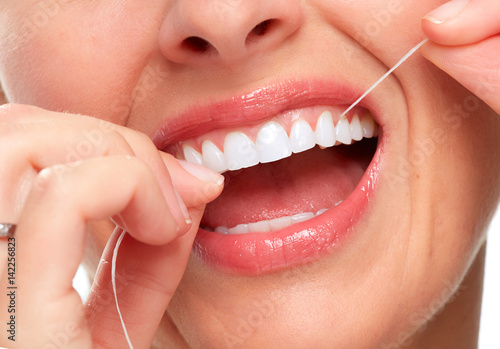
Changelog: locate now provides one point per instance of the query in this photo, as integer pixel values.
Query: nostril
(196, 44)
(262, 28)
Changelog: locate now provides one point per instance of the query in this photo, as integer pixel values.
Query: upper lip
(258, 105)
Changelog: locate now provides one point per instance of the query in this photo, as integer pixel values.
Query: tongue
(305, 182)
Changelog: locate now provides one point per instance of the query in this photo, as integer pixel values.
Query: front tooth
(320, 212)
(302, 136)
(192, 155)
(273, 143)
(280, 223)
(368, 126)
(222, 230)
(239, 229)
(213, 158)
(343, 131)
(356, 130)
(302, 217)
(239, 151)
(259, 227)
(325, 130)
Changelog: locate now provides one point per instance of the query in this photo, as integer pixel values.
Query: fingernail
(184, 210)
(202, 173)
(446, 12)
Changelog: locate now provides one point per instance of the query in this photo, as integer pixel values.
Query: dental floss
(113, 281)
(405, 57)
(122, 235)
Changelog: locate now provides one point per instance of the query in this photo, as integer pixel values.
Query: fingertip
(184, 228)
(202, 173)
(440, 25)
(437, 32)
(431, 20)
(446, 11)
(462, 22)
(193, 171)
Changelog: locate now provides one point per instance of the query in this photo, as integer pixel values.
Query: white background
(489, 335)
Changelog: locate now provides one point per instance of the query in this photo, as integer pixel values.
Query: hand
(465, 43)
(58, 173)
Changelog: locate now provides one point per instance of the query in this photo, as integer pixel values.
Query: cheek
(90, 68)
(457, 169)
(395, 22)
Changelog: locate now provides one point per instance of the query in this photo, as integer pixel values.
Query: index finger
(146, 276)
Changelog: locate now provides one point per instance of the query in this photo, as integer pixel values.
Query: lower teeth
(269, 225)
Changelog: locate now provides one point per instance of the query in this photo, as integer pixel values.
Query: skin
(422, 244)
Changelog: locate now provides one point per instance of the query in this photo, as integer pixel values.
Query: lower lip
(306, 242)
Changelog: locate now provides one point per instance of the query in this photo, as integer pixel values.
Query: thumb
(462, 22)
(196, 185)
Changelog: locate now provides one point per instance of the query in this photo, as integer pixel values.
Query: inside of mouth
(271, 196)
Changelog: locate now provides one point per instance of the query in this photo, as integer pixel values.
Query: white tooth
(271, 225)
(320, 212)
(222, 230)
(302, 136)
(192, 155)
(273, 143)
(325, 130)
(302, 217)
(356, 130)
(368, 126)
(259, 227)
(343, 131)
(239, 151)
(213, 158)
(239, 229)
(280, 223)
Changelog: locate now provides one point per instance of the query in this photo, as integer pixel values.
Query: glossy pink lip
(257, 253)
(258, 105)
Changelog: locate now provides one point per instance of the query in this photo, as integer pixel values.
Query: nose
(199, 31)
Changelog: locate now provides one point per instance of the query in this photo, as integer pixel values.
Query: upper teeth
(273, 143)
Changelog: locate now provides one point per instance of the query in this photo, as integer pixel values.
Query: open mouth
(296, 183)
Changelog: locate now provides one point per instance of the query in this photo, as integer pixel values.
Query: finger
(147, 276)
(475, 66)
(27, 152)
(32, 139)
(39, 138)
(203, 186)
(51, 234)
(69, 137)
(463, 22)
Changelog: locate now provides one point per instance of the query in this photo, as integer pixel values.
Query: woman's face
(407, 229)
